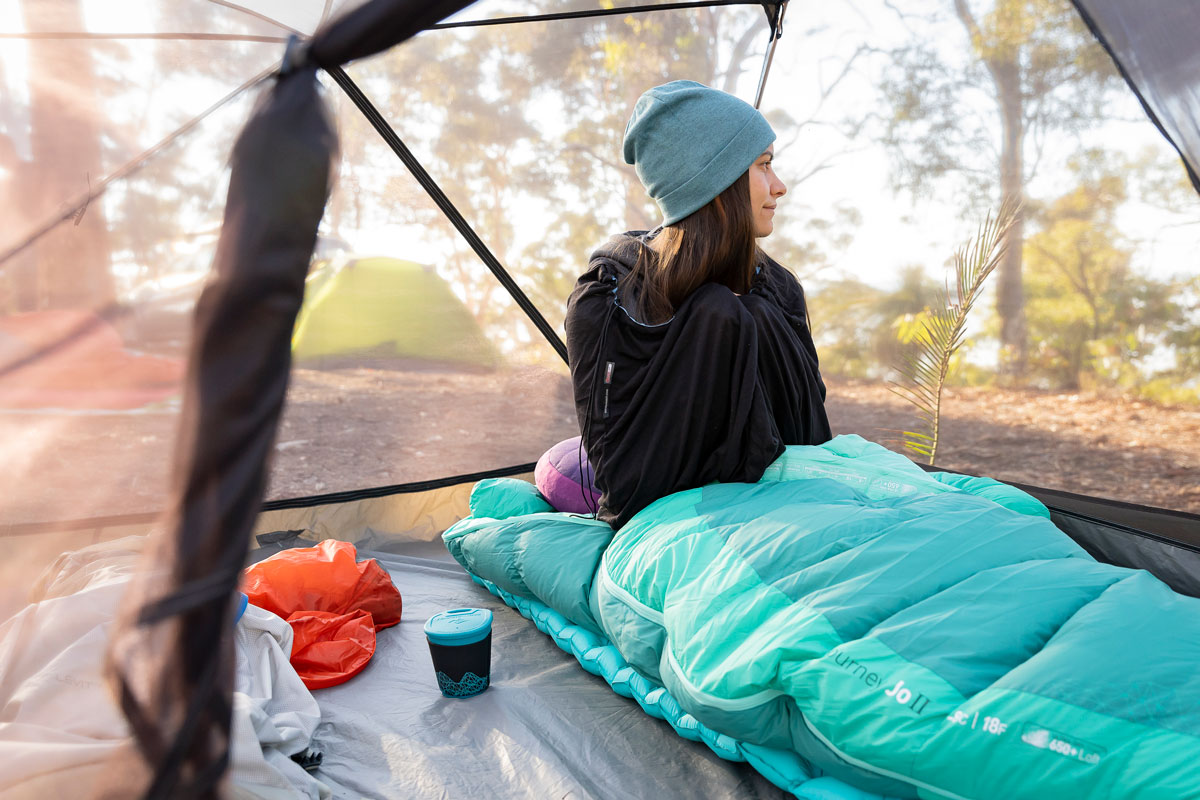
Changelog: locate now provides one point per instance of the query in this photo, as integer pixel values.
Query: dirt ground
(454, 424)
(360, 427)
(355, 428)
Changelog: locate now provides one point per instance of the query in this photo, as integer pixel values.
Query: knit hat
(689, 143)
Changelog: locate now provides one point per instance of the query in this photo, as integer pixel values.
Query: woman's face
(765, 191)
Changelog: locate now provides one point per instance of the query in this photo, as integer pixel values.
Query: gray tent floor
(545, 728)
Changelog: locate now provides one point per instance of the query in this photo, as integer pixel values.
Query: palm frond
(924, 367)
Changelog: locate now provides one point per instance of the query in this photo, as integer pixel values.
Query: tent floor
(544, 728)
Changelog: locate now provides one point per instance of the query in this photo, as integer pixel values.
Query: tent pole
(443, 202)
(776, 32)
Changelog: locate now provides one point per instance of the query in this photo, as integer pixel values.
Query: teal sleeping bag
(912, 634)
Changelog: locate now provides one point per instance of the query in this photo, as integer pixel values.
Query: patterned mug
(460, 642)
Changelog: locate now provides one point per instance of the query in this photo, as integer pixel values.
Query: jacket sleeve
(780, 286)
(777, 284)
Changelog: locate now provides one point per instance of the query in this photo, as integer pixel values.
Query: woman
(690, 352)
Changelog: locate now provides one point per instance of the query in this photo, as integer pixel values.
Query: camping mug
(460, 642)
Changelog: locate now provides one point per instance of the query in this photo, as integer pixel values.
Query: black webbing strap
(443, 202)
(412, 487)
(595, 12)
(308, 501)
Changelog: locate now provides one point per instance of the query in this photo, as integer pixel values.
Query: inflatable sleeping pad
(915, 635)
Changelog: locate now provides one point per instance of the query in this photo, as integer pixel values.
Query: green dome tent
(389, 308)
(98, 199)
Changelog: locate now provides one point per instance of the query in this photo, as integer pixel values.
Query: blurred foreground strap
(170, 657)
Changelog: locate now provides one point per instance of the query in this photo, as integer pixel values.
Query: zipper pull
(608, 376)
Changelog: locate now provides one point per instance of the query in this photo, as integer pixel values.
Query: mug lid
(459, 626)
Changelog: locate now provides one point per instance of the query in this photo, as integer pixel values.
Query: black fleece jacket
(713, 394)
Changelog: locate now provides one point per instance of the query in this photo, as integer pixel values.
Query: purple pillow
(564, 477)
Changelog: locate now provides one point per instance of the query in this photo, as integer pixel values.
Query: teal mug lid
(459, 626)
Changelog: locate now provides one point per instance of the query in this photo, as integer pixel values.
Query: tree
(1092, 318)
(1033, 72)
(18, 274)
(461, 101)
(1183, 335)
(854, 324)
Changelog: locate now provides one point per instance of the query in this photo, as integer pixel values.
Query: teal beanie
(689, 143)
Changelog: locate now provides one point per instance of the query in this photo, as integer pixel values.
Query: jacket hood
(621, 250)
(616, 259)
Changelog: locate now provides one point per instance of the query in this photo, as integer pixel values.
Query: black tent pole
(443, 202)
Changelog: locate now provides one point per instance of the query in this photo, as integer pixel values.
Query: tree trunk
(1074, 370)
(740, 51)
(72, 261)
(1010, 295)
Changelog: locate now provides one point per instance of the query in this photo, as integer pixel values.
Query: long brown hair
(715, 244)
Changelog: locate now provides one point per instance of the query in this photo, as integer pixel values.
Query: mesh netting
(411, 361)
